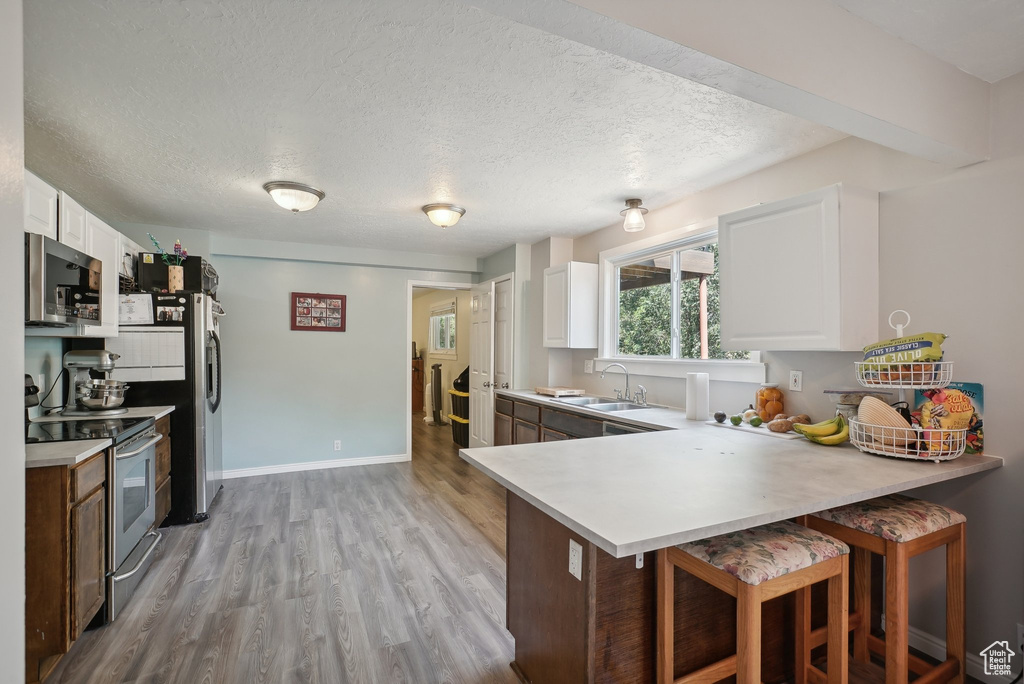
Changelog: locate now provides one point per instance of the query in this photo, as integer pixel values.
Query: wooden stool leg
(956, 560)
(748, 634)
(665, 572)
(897, 606)
(862, 602)
(838, 625)
(803, 633)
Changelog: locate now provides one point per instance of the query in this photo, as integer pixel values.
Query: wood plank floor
(384, 573)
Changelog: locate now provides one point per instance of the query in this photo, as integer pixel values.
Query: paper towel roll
(698, 399)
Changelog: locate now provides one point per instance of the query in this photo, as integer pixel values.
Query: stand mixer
(94, 397)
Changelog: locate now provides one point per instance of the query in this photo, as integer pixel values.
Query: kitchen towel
(698, 399)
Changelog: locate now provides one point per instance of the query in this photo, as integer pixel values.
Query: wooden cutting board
(559, 391)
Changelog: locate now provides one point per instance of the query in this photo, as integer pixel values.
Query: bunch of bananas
(828, 432)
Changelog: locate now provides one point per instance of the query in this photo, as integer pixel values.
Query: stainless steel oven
(131, 515)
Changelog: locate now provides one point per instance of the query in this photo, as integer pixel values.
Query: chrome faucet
(618, 393)
(640, 397)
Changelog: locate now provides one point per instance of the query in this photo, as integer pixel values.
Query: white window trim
(441, 309)
(725, 370)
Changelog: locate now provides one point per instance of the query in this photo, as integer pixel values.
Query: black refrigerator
(171, 354)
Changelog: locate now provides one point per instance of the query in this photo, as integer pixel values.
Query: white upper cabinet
(72, 230)
(570, 306)
(801, 273)
(40, 206)
(104, 244)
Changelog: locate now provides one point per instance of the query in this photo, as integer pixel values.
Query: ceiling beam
(808, 58)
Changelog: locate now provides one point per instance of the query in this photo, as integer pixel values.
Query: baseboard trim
(935, 647)
(313, 465)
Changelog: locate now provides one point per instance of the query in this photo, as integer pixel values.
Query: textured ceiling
(176, 113)
(985, 38)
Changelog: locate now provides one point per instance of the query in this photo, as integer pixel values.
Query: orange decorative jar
(768, 401)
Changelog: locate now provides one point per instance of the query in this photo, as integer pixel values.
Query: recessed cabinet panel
(71, 230)
(801, 273)
(40, 206)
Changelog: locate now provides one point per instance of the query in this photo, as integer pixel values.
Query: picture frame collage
(318, 311)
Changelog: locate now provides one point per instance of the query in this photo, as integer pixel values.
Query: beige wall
(423, 301)
(12, 348)
(951, 242)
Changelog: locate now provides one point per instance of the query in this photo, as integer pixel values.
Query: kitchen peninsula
(624, 497)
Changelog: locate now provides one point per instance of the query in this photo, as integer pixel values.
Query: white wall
(44, 355)
(289, 394)
(424, 300)
(951, 243)
(12, 348)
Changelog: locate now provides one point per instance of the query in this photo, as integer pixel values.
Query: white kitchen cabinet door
(104, 244)
(40, 200)
(71, 229)
(801, 273)
(570, 306)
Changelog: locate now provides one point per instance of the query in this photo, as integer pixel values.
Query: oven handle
(145, 556)
(135, 452)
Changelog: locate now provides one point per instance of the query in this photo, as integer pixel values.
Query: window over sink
(660, 308)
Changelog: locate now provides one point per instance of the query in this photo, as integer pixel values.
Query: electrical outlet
(337, 445)
(588, 366)
(796, 381)
(575, 560)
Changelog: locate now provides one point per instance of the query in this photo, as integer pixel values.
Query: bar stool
(755, 565)
(899, 528)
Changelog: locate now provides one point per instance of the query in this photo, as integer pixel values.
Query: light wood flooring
(384, 573)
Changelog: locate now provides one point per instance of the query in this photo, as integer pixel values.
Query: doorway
(492, 321)
(439, 315)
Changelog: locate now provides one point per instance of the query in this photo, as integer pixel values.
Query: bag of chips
(924, 347)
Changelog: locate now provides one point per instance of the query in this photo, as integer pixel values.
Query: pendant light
(443, 215)
(294, 197)
(634, 214)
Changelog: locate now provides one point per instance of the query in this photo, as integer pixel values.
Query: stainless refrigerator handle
(145, 556)
(135, 452)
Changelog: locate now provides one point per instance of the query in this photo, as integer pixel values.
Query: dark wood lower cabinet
(65, 558)
(502, 430)
(88, 560)
(526, 433)
(601, 628)
(549, 435)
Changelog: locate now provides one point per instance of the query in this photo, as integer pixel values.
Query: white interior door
(502, 304)
(481, 363)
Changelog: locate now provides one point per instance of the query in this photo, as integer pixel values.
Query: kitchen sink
(617, 406)
(583, 401)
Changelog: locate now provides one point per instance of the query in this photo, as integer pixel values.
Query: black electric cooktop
(84, 428)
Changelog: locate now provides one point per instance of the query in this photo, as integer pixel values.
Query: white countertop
(41, 455)
(47, 454)
(654, 417)
(133, 412)
(634, 493)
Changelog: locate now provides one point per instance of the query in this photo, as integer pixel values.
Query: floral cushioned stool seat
(895, 517)
(765, 552)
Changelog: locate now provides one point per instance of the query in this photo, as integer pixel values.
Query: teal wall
(43, 355)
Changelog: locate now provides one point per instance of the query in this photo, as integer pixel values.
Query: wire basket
(915, 375)
(922, 444)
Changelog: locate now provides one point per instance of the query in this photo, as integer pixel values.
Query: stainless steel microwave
(63, 286)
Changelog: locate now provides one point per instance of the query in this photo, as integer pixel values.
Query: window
(660, 308)
(442, 330)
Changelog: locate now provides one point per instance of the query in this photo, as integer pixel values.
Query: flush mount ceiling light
(634, 214)
(443, 215)
(294, 197)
